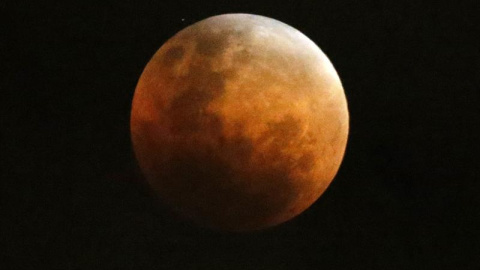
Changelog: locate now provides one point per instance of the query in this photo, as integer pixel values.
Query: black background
(406, 195)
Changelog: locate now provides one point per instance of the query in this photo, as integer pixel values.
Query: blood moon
(239, 122)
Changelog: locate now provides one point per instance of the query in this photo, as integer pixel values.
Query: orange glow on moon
(239, 122)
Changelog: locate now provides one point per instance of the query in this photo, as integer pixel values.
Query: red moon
(239, 122)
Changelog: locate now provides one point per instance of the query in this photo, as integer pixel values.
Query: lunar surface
(239, 122)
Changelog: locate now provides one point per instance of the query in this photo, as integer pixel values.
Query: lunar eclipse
(239, 122)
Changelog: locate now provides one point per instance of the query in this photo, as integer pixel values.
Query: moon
(239, 122)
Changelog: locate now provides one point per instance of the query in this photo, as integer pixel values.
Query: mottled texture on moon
(239, 122)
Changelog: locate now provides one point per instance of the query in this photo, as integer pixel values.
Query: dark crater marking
(173, 55)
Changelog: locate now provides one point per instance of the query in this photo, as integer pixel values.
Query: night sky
(405, 197)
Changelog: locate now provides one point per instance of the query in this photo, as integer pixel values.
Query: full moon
(239, 122)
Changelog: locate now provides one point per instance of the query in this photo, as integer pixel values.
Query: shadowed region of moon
(239, 122)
